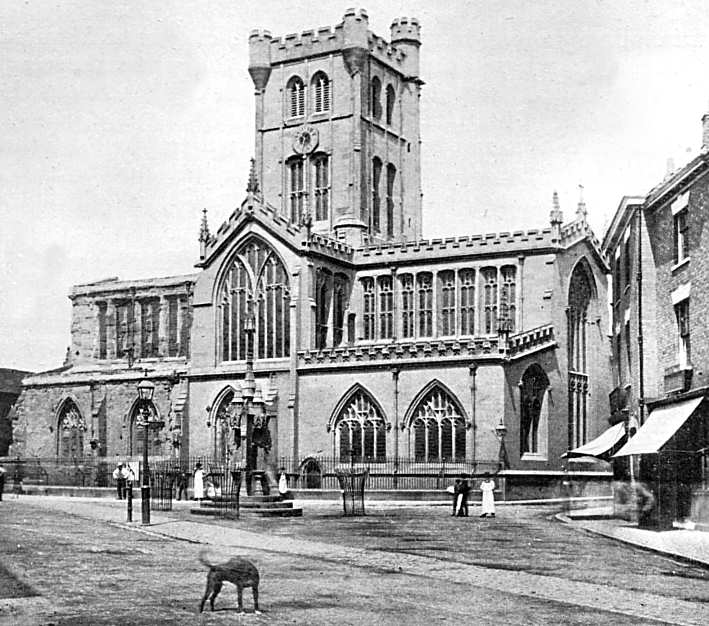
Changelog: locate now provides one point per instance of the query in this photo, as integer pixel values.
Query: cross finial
(252, 186)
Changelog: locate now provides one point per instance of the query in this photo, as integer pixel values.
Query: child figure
(488, 489)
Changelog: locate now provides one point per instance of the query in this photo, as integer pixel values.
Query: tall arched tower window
(375, 98)
(321, 93)
(296, 97)
(489, 300)
(437, 428)
(70, 431)
(323, 298)
(391, 98)
(581, 293)
(466, 289)
(391, 178)
(256, 273)
(376, 194)
(508, 295)
(360, 429)
(533, 387)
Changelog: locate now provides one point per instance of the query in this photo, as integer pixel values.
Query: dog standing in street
(238, 571)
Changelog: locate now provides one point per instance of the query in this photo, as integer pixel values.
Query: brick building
(657, 246)
(368, 341)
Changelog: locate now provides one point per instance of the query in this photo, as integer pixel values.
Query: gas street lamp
(148, 420)
(501, 432)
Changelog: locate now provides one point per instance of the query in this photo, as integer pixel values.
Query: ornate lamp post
(148, 419)
(501, 432)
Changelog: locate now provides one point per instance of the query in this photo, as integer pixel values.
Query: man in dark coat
(463, 491)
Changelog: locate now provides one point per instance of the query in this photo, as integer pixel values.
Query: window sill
(534, 456)
(294, 121)
(679, 265)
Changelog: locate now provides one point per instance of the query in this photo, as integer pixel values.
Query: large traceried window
(488, 302)
(466, 288)
(296, 184)
(360, 430)
(321, 189)
(407, 305)
(424, 293)
(296, 97)
(321, 93)
(533, 387)
(376, 194)
(446, 302)
(386, 307)
(70, 431)
(508, 296)
(256, 274)
(437, 428)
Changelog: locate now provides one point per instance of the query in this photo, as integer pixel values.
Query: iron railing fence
(317, 472)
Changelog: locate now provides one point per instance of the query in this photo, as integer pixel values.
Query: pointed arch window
(70, 431)
(375, 98)
(369, 309)
(156, 440)
(323, 298)
(221, 433)
(257, 274)
(391, 178)
(360, 430)
(339, 304)
(390, 100)
(296, 97)
(437, 428)
(321, 93)
(376, 197)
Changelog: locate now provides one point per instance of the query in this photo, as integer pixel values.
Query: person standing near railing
(120, 476)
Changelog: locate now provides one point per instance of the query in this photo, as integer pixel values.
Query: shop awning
(603, 445)
(659, 427)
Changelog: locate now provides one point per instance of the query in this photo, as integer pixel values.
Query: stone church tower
(337, 128)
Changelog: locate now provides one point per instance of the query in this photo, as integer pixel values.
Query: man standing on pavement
(120, 475)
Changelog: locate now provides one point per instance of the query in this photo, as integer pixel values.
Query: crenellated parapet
(329, 247)
(492, 243)
(414, 351)
(532, 340)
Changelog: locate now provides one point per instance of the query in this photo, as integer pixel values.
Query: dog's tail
(203, 559)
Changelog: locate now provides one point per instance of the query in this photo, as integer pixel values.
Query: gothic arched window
(533, 387)
(360, 430)
(222, 435)
(258, 276)
(508, 295)
(321, 93)
(376, 194)
(296, 97)
(375, 98)
(437, 428)
(391, 178)
(70, 431)
(391, 98)
(488, 302)
(581, 293)
(321, 189)
(156, 438)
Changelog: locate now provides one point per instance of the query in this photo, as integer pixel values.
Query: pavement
(646, 607)
(680, 543)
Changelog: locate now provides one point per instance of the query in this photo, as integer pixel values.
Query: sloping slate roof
(11, 380)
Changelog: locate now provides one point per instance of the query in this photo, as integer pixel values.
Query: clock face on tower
(306, 140)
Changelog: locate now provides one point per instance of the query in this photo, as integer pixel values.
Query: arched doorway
(157, 440)
(311, 474)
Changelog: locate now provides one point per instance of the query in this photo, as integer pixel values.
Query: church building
(369, 341)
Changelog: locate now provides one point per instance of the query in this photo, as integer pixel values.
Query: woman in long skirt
(487, 486)
(198, 482)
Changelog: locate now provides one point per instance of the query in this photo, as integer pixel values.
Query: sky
(120, 121)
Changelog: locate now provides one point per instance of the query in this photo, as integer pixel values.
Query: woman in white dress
(198, 482)
(487, 486)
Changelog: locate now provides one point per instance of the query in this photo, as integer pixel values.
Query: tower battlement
(406, 29)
